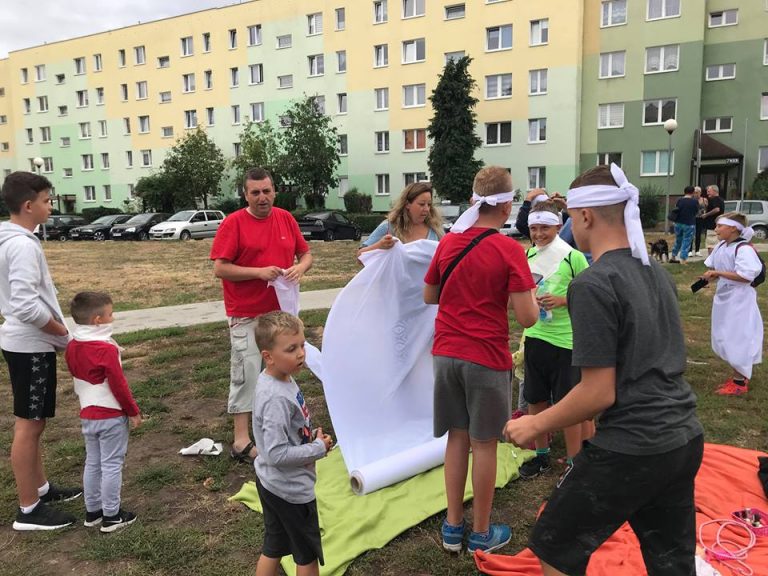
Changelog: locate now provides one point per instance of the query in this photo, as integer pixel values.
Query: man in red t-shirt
(253, 246)
(472, 361)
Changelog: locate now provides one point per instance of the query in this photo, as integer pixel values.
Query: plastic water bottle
(544, 314)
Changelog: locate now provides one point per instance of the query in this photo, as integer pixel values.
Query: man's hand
(294, 273)
(520, 432)
(268, 273)
(55, 328)
(135, 421)
(535, 192)
(549, 301)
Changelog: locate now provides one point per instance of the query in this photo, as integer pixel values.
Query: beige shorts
(245, 364)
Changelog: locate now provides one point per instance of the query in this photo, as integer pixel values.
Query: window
(610, 115)
(413, 51)
(42, 103)
(341, 103)
(129, 158)
(414, 140)
(656, 163)
(79, 65)
(723, 18)
(47, 164)
(87, 160)
(537, 177)
(45, 134)
(187, 46)
(764, 106)
(146, 158)
(498, 86)
(343, 143)
(284, 41)
(341, 18)
(765, 52)
(257, 111)
(256, 73)
(380, 55)
(720, 72)
(27, 105)
(3, 119)
(341, 61)
(67, 172)
(237, 149)
(190, 118)
(285, 81)
(498, 133)
(30, 136)
(206, 41)
(721, 124)
(131, 190)
(208, 79)
(234, 77)
(455, 56)
(382, 184)
(236, 114)
(188, 81)
(143, 124)
(167, 131)
(85, 130)
(613, 13)
(314, 23)
(414, 95)
(165, 97)
(141, 90)
(163, 62)
(210, 117)
(139, 55)
(662, 59)
(658, 9)
(90, 193)
(343, 186)
(455, 12)
(539, 32)
(124, 92)
(382, 142)
(316, 65)
(105, 161)
(121, 58)
(107, 192)
(40, 73)
(537, 82)
(284, 121)
(24, 75)
(762, 158)
(659, 111)
(319, 102)
(82, 98)
(254, 35)
(612, 64)
(413, 8)
(498, 38)
(97, 64)
(380, 12)
(103, 129)
(5, 147)
(537, 130)
(60, 78)
(99, 96)
(413, 177)
(126, 126)
(382, 98)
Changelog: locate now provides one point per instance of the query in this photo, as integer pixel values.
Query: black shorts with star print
(33, 379)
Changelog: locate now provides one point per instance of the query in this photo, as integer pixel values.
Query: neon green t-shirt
(558, 331)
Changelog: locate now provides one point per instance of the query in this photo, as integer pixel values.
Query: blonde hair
(270, 325)
(398, 217)
(489, 181)
(736, 216)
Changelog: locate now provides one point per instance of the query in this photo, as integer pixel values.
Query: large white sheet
(377, 369)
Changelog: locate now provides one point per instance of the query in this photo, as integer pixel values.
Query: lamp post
(38, 162)
(670, 126)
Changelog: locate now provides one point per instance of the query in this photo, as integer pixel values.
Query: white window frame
(664, 10)
(232, 38)
(765, 51)
(255, 74)
(537, 177)
(84, 129)
(142, 90)
(538, 125)
(167, 131)
(381, 55)
(341, 19)
(39, 72)
(235, 114)
(413, 177)
(105, 160)
(190, 119)
(188, 84)
(456, 11)
(146, 158)
(498, 127)
(126, 126)
(381, 96)
(604, 158)
(67, 173)
(42, 103)
(343, 186)
(539, 73)
(414, 95)
(380, 12)
(606, 111)
(254, 35)
(45, 134)
(164, 99)
(314, 24)
(257, 111)
(187, 46)
(103, 129)
(416, 8)
(234, 77)
(342, 103)
(500, 29)
(139, 55)
(382, 184)
(607, 13)
(129, 158)
(89, 193)
(86, 162)
(455, 55)
(718, 121)
(206, 42)
(539, 32)
(762, 154)
(381, 142)
(208, 79)
(609, 59)
(121, 58)
(662, 57)
(163, 61)
(80, 66)
(124, 92)
(724, 15)
(316, 63)
(499, 80)
(82, 98)
(107, 190)
(341, 62)
(413, 46)
(659, 154)
(764, 106)
(343, 144)
(144, 124)
(97, 63)
(99, 96)
(210, 116)
(284, 41)
(660, 107)
(414, 132)
(720, 69)
(285, 82)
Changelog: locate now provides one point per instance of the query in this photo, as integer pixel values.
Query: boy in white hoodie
(32, 333)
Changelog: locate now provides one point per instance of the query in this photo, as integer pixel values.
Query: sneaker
(453, 536)
(43, 517)
(120, 520)
(697, 253)
(497, 536)
(93, 518)
(535, 467)
(674, 260)
(730, 388)
(56, 494)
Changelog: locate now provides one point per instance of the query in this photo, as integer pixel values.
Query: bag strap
(475, 241)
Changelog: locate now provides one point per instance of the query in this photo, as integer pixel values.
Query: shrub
(357, 203)
(92, 214)
(367, 222)
(649, 205)
(229, 205)
(760, 186)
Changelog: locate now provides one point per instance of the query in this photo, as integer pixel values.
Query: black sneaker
(56, 494)
(43, 517)
(120, 520)
(535, 467)
(93, 518)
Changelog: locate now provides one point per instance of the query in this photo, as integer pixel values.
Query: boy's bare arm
(525, 307)
(431, 293)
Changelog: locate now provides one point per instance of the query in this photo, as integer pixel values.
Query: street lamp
(38, 162)
(670, 126)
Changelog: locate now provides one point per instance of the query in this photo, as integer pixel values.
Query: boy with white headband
(737, 327)
(475, 275)
(628, 341)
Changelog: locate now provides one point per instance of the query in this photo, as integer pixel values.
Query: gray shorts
(245, 364)
(471, 397)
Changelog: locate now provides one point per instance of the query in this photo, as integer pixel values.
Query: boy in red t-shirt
(472, 361)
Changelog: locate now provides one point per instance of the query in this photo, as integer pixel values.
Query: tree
(760, 186)
(260, 146)
(157, 193)
(451, 161)
(194, 167)
(311, 150)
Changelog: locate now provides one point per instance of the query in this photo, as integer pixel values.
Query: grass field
(180, 379)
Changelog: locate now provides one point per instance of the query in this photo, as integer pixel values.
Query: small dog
(659, 249)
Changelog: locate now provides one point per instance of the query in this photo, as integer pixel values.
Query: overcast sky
(27, 23)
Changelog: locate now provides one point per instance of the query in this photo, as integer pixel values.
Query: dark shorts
(603, 490)
(549, 375)
(290, 529)
(33, 380)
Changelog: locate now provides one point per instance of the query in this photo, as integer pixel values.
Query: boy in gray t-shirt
(288, 448)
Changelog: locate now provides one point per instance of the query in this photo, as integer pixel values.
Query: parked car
(58, 227)
(450, 212)
(329, 226)
(137, 228)
(99, 228)
(509, 228)
(188, 224)
(756, 212)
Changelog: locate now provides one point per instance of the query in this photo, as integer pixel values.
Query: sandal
(243, 455)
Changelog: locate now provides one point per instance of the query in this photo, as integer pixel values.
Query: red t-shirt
(472, 322)
(248, 241)
(94, 362)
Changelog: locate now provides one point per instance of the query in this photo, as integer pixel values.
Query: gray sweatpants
(106, 442)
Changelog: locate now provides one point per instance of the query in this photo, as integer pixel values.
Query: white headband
(604, 195)
(539, 198)
(544, 217)
(745, 233)
(471, 214)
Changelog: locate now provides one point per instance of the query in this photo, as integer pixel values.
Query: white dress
(737, 327)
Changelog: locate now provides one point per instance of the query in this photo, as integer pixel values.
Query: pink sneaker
(730, 388)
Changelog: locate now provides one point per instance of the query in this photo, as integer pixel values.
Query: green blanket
(351, 525)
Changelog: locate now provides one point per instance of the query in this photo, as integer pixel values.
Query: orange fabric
(726, 482)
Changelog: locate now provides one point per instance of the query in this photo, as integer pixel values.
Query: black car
(58, 227)
(137, 228)
(99, 228)
(329, 226)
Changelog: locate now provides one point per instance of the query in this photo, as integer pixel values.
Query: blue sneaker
(453, 536)
(497, 536)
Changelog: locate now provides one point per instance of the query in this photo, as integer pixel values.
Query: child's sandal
(243, 455)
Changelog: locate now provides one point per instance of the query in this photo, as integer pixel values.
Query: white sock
(43, 490)
(28, 509)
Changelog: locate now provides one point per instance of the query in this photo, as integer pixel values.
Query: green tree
(760, 186)
(194, 167)
(452, 163)
(260, 146)
(157, 193)
(311, 150)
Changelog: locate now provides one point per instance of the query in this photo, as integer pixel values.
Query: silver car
(188, 224)
(756, 212)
